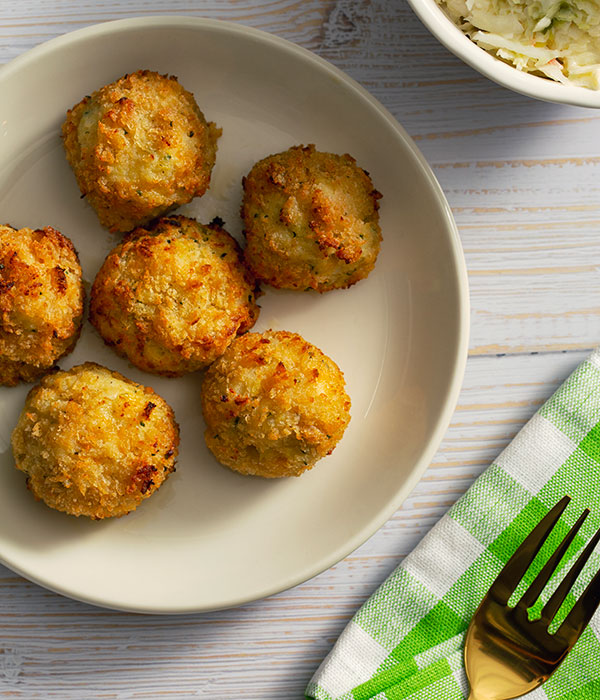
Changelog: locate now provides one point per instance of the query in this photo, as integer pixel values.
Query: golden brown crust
(41, 301)
(311, 220)
(93, 442)
(139, 147)
(172, 297)
(274, 404)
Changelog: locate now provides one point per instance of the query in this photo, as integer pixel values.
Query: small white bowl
(442, 27)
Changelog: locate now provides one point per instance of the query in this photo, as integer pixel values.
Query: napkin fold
(406, 642)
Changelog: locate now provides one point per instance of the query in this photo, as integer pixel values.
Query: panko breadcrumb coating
(94, 443)
(41, 301)
(273, 404)
(139, 147)
(172, 297)
(311, 220)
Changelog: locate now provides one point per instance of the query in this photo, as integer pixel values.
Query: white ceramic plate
(210, 538)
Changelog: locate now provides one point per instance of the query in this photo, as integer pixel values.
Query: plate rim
(176, 21)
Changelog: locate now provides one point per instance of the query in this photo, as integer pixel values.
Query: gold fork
(506, 654)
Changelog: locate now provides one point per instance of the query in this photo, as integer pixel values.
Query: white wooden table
(523, 179)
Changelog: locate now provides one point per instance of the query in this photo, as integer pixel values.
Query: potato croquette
(311, 220)
(273, 404)
(171, 298)
(94, 443)
(139, 147)
(41, 301)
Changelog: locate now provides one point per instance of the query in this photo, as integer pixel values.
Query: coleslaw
(558, 39)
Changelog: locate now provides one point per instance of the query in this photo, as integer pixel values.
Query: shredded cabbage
(559, 39)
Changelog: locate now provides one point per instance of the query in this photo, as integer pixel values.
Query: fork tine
(514, 570)
(533, 592)
(552, 606)
(583, 610)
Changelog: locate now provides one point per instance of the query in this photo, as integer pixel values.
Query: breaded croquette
(94, 443)
(274, 404)
(41, 301)
(311, 220)
(139, 147)
(172, 297)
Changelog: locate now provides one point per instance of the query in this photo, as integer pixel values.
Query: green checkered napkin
(407, 639)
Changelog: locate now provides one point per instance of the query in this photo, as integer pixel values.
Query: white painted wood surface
(523, 179)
